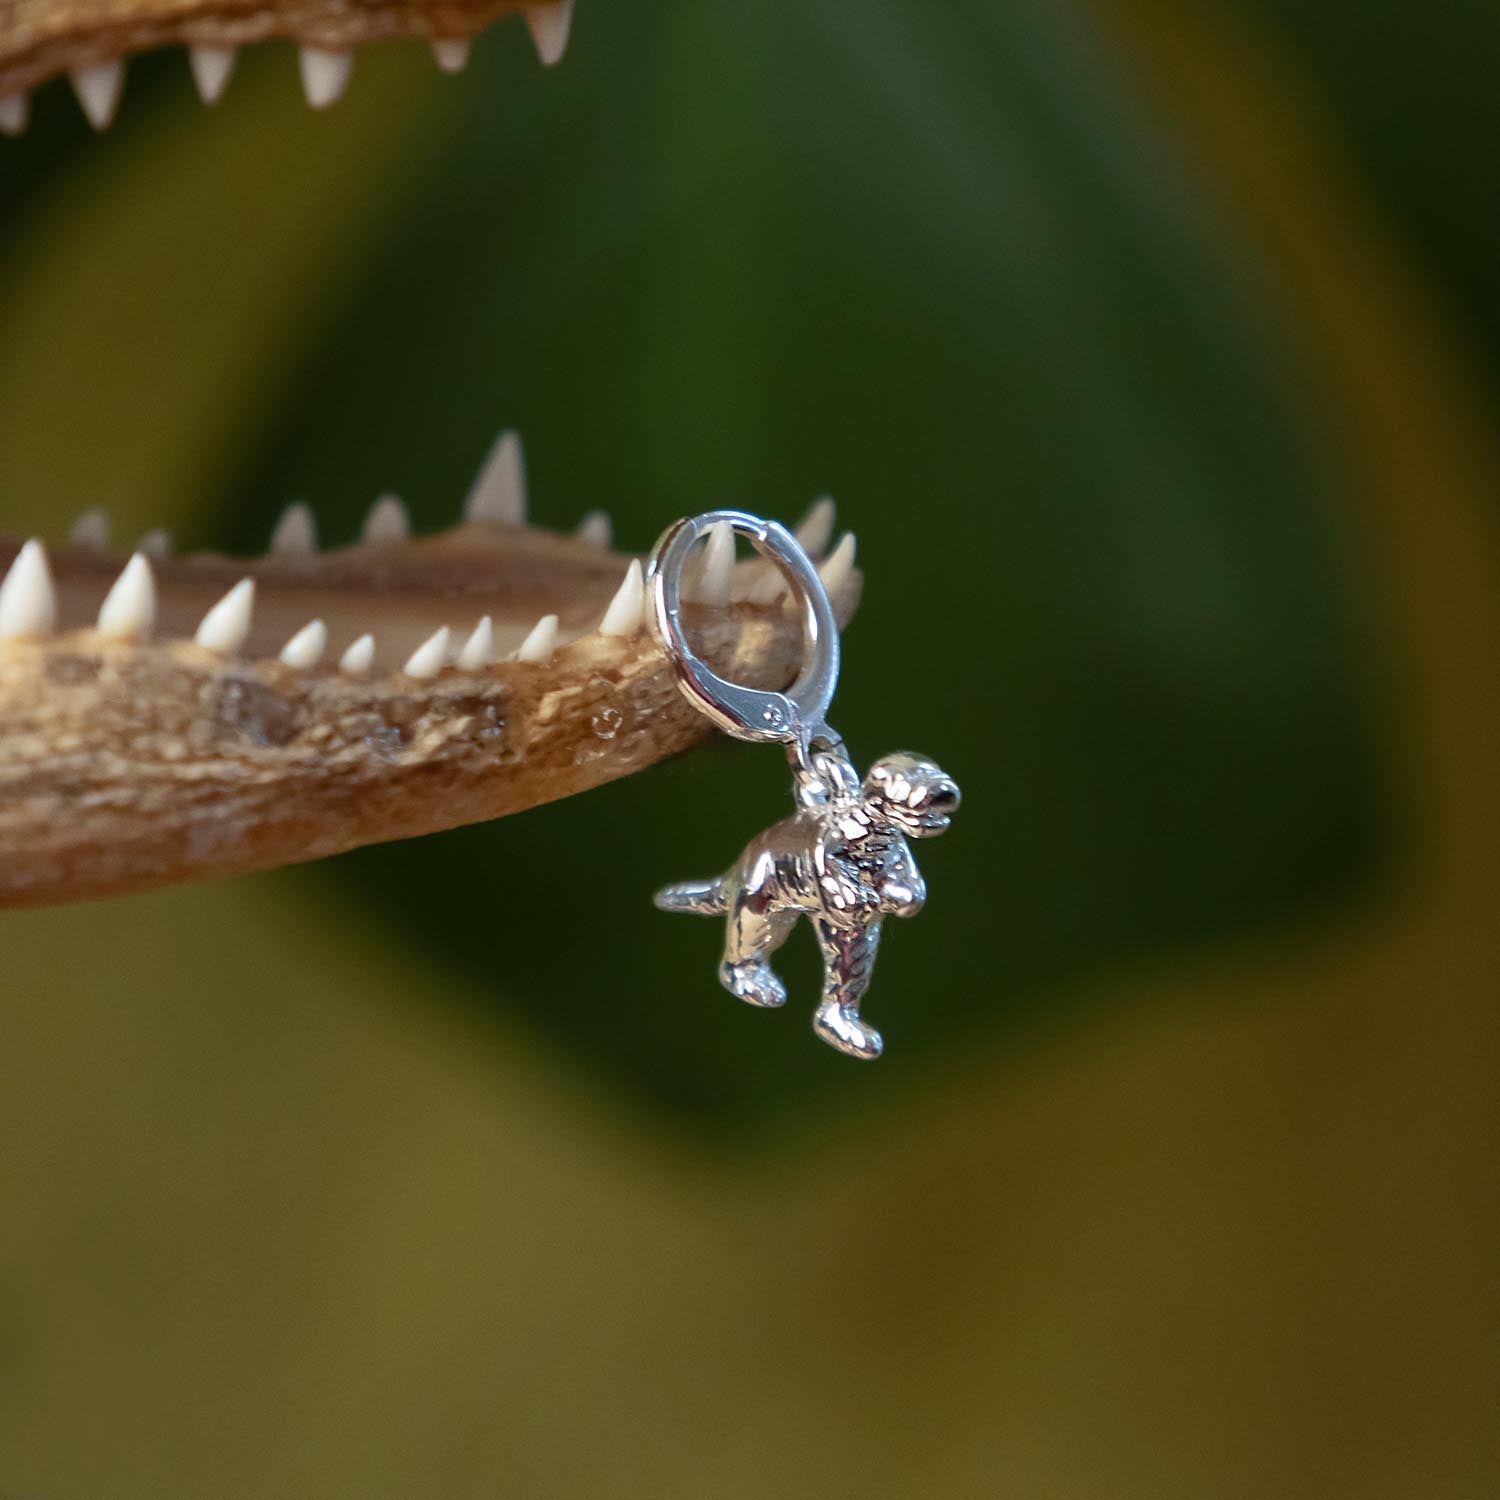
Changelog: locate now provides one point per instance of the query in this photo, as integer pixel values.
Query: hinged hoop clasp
(799, 716)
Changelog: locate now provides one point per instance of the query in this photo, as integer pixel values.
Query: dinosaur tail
(705, 898)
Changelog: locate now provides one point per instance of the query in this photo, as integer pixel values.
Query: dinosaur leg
(752, 935)
(848, 962)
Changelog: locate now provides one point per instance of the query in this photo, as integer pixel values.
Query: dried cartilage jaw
(92, 41)
(164, 718)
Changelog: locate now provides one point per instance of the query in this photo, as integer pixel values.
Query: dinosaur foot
(752, 982)
(840, 1027)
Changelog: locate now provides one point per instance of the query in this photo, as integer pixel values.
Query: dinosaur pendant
(842, 859)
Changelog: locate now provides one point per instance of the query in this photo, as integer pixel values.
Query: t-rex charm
(842, 861)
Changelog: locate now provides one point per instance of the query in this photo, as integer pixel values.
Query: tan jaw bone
(164, 720)
(91, 40)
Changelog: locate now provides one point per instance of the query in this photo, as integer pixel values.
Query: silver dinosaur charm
(842, 859)
(843, 862)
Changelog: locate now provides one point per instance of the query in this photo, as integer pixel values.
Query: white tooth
(28, 602)
(305, 649)
(748, 579)
(211, 69)
(717, 572)
(479, 650)
(225, 627)
(451, 52)
(325, 74)
(765, 583)
(156, 544)
(91, 531)
(359, 658)
(595, 529)
(549, 29)
(129, 608)
(835, 572)
(430, 657)
(623, 617)
(769, 587)
(13, 112)
(692, 571)
(541, 643)
(296, 531)
(387, 521)
(499, 491)
(815, 530)
(98, 89)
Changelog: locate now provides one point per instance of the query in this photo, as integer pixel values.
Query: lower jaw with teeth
(89, 41)
(164, 720)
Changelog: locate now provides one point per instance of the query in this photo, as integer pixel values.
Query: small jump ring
(797, 716)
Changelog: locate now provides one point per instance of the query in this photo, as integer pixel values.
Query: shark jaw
(168, 719)
(165, 719)
(91, 41)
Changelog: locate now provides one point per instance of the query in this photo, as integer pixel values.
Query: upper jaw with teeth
(164, 719)
(90, 41)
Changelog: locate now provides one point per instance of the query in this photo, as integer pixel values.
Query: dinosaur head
(911, 793)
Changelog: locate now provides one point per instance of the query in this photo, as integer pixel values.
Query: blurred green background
(1151, 351)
